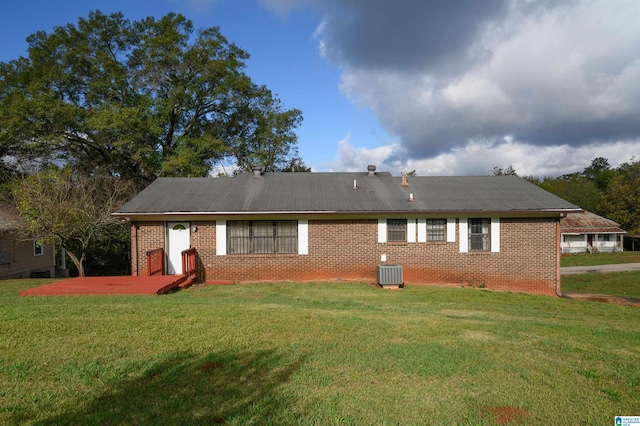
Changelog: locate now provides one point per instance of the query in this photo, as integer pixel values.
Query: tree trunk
(79, 262)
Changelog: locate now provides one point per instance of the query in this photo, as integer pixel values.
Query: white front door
(177, 241)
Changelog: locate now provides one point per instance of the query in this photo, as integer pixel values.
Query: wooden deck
(157, 284)
(153, 283)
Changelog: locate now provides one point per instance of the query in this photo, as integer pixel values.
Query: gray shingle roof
(333, 192)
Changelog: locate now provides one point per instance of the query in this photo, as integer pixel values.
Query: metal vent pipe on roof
(404, 179)
(371, 170)
(257, 170)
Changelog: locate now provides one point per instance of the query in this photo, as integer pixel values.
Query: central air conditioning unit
(390, 275)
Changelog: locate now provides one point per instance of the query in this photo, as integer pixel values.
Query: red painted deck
(157, 284)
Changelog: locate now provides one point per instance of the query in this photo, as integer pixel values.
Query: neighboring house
(499, 232)
(584, 232)
(21, 258)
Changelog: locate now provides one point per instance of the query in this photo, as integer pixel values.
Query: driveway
(568, 270)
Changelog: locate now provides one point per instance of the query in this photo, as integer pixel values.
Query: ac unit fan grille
(390, 275)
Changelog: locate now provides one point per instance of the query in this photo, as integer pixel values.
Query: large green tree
(140, 99)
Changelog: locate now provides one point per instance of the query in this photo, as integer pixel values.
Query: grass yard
(326, 353)
(624, 284)
(586, 259)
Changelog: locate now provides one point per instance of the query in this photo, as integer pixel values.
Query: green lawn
(586, 259)
(326, 353)
(625, 284)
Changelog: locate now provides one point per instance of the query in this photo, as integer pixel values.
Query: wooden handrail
(155, 262)
(189, 267)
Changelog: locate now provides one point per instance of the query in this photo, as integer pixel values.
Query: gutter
(355, 212)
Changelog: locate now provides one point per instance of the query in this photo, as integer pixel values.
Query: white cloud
(479, 157)
(562, 77)
(351, 159)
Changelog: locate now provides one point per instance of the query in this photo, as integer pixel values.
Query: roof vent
(404, 179)
(257, 170)
(371, 169)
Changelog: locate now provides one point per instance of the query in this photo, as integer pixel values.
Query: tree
(623, 198)
(295, 165)
(509, 171)
(576, 189)
(141, 99)
(69, 210)
(599, 171)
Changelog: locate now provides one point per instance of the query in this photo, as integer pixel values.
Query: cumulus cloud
(446, 79)
(352, 159)
(479, 157)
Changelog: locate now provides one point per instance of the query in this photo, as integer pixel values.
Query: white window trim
(303, 237)
(221, 237)
(451, 230)
(495, 235)
(411, 230)
(382, 230)
(35, 245)
(464, 235)
(422, 230)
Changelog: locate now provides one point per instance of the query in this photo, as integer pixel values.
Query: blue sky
(443, 88)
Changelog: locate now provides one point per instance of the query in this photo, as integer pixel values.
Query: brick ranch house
(498, 232)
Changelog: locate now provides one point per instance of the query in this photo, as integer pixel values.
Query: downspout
(134, 235)
(558, 289)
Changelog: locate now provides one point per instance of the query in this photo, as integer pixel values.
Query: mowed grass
(624, 284)
(316, 353)
(587, 259)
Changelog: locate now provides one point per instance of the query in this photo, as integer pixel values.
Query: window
(479, 234)
(262, 236)
(396, 229)
(38, 248)
(436, 229)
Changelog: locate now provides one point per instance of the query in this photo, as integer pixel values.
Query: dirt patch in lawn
(506, 415)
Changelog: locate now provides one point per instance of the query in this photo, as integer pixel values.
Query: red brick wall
(349, 249)
(145, 236)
